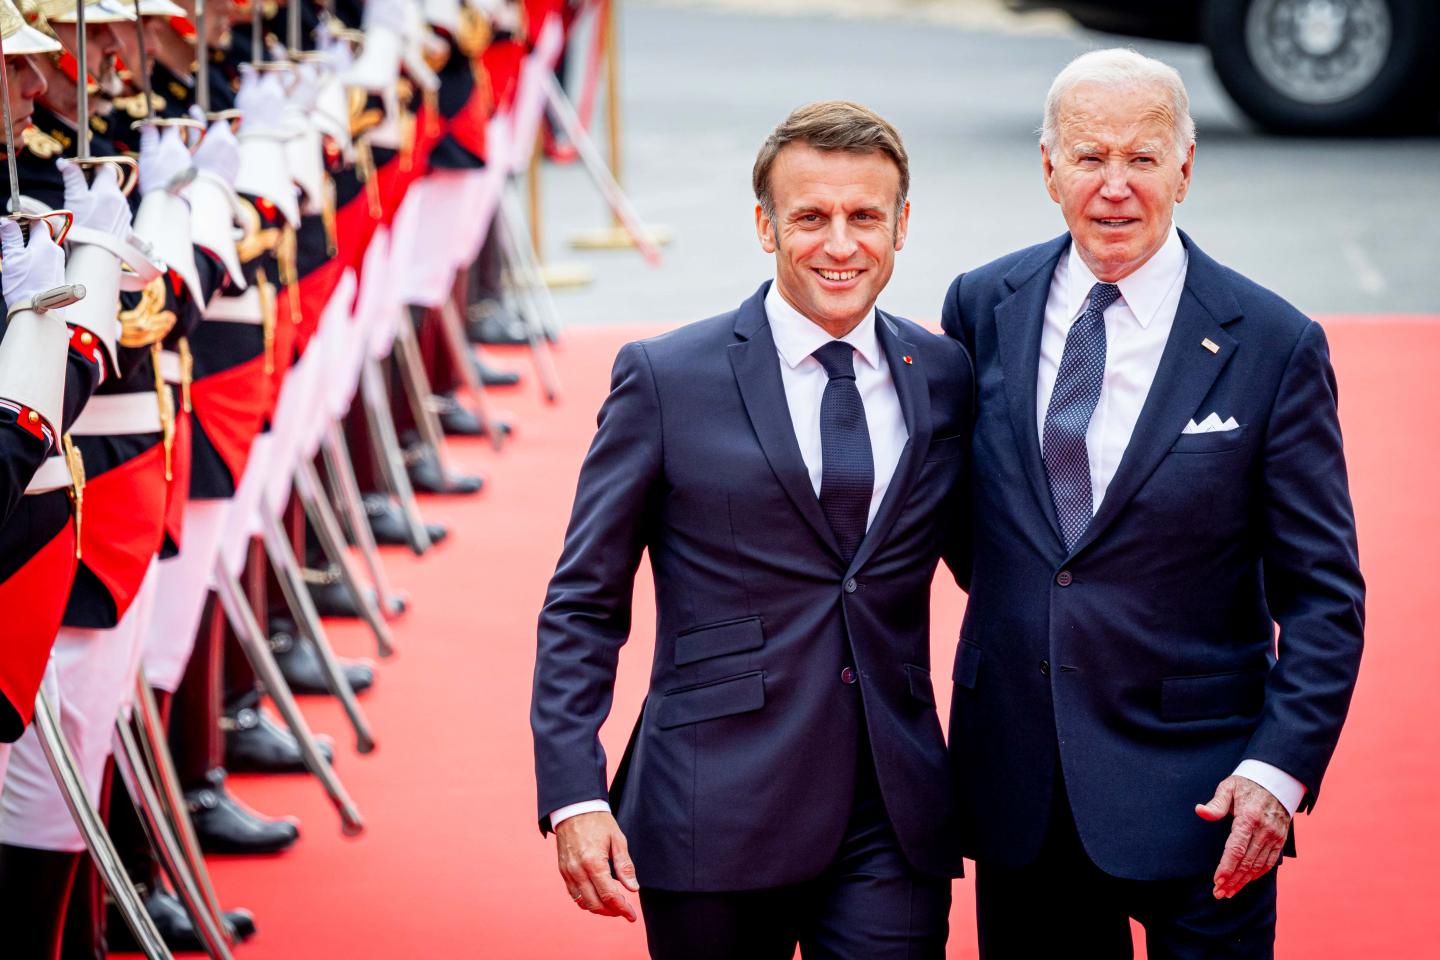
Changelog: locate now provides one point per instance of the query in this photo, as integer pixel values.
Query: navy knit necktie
(847, 475)
(1072, 403)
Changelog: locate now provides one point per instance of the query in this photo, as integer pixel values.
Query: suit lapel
(1019, 320)
(757, 372)
(913, 389)
(1187, 371)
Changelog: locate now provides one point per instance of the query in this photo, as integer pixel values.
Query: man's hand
(1257, 834)
(586, 845)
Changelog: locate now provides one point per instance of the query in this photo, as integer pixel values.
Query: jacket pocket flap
(920, 686)
(967, 664)
(1212, 442)
(718, 639)
(721, 698)
(1213, 696)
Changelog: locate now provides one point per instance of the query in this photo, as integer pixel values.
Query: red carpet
(452, 865)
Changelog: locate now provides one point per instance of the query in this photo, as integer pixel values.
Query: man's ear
(902, 226)
(1047, 168)
(764, 229)
(1187, 167)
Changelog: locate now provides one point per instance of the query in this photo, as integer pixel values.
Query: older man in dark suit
(1157, 484)
(791, 467)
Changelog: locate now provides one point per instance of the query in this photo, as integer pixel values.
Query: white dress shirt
(1137, 325)
(796, 338)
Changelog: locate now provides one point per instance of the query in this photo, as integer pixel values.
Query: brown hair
(831, 125)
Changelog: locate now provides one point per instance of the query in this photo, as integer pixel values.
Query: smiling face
(834, 232)
(1117, 173)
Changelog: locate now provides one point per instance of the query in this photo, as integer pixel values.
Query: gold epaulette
(362, 116)
(258, 238)
(474, 34)
(148, 321)
(187, 371)
(40, 143)
(134, 106)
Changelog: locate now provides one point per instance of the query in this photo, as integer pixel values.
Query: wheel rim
(1319, 51)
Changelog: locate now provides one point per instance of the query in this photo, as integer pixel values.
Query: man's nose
(1117, 181)
(32, 85)
(839, 243)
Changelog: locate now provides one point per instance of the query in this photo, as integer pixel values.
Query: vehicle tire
(1328, 66)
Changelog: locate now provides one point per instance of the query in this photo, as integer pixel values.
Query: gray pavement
(1335, 226)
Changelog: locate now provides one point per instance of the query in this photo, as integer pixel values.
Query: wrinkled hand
(30, 268)
(586, 846)
(219, 151)
(260, 100)
(163, 158)
(1257, 833)
(97, 205)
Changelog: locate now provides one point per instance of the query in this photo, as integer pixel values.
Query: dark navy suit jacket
(1143, 662)
(740, 773)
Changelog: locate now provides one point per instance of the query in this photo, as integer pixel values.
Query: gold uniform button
(87, 338)
(34, 417)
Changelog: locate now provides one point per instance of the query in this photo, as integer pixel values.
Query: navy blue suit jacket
(740, 773)
(1143, 662)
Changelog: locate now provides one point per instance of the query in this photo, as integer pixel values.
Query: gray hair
(1119, 67)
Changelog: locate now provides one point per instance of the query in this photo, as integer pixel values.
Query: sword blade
(82, 85)
(12, 204)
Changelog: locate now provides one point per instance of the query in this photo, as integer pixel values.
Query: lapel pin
(908, 359)
(1210, 345)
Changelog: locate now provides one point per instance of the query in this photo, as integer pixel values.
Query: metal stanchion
(618, 235)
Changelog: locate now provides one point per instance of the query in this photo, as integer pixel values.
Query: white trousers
(93, 676)
(184, 581)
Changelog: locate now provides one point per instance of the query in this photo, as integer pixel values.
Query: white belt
(242, 309)
(54, 474)
(170, 366)
(119, 413)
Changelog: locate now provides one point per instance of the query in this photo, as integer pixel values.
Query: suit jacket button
(847, 676)
(1044, 668)
(851, 586)
(1064, 578)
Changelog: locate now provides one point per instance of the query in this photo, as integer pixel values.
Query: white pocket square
(1211, 424)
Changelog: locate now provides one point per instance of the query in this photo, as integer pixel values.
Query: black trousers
(869, 904)
(1064, 905)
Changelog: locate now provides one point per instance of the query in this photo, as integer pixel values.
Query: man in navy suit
(1157, 483)
(792, 469)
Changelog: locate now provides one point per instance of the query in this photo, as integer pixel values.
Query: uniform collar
(1144, 290)
(797, 336)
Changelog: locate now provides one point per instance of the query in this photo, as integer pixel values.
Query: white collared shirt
(1137, 326)
(796, 338)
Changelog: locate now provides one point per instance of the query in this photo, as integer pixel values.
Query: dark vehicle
(1298, 66)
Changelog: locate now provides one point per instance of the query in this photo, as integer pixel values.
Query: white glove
(99, 205)
(339, 55)
(385, 14)
(31, 268)
(219, 151)
(261, 101)
(164, 158)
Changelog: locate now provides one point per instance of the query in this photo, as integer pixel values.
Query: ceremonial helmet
(96, 11)
(20, 37)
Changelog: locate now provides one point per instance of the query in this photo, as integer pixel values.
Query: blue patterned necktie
(1072, 403)
(847, 474)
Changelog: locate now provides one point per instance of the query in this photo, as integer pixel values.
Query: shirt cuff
(1285, 788)
(575, 809)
